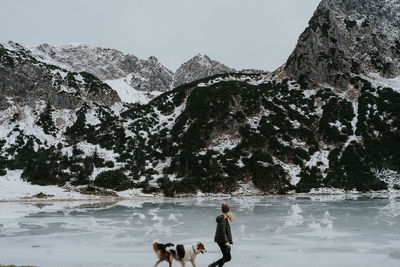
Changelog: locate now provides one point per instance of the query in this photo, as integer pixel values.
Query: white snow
(296, 124)
(354, 121)
(319, 156)
(293, 171)
(12, 187)
(246, 189)
(91, 118)
(297, 143)
(338, 125)
(127, 93)
(28, 123)
(390, 177)
(260, 79)
(378, 80)
(223, 142)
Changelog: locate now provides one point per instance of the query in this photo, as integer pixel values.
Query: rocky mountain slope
(25, 80)
(305, 127)
(345, 37)
(105, 64)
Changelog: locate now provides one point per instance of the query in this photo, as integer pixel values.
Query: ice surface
(267, 231)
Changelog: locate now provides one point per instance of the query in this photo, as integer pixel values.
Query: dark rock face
(26, 80)
(346, 36)
(151, 75)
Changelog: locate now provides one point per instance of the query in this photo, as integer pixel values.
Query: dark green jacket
(223, 233)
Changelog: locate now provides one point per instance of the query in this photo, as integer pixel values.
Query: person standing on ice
(223, 235)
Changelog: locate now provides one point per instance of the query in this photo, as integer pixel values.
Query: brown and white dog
(169, 251)
(186, 253)
(162, 253)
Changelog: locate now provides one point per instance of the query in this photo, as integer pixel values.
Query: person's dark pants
(226, 254)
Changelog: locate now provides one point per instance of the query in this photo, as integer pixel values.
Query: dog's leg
(170, 260)
(193, 263)
(183, 263)
(158, 262)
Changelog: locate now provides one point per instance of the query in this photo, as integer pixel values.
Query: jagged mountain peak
(198, 67)
(12, 45)
(202, 59)
(153, 59)
(345, 37)
(151, 75)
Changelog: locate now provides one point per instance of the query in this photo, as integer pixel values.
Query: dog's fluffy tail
(155, 247)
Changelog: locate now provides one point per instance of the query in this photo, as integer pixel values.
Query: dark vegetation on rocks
(261, 121)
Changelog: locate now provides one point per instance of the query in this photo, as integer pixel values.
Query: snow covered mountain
(328, 119)
(148, 78)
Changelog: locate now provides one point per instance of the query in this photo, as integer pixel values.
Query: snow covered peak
(10, 45)
(203, 59)
(104, 63)
(198, 67)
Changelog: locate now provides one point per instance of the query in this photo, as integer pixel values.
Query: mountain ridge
(144, 75)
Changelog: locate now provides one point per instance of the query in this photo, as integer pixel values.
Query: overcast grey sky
(239, 33)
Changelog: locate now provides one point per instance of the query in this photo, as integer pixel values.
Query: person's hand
(228, 245)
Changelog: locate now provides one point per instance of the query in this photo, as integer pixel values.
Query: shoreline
(384, 194)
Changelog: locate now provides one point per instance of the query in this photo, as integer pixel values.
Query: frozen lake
(267, 231)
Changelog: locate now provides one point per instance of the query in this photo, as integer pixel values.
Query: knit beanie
(225, 208)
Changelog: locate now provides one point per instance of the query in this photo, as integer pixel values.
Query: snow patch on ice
(12, 187)
(390, 211)
(294, 218)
